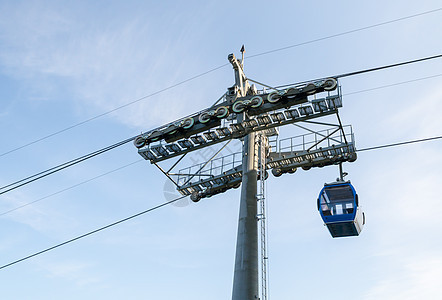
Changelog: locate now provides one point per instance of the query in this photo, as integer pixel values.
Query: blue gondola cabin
(339, 209)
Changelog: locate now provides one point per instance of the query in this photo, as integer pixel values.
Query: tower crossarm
(253, 105)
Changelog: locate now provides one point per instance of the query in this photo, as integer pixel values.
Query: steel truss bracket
(265, 122)
(254, 105)
(315, 149)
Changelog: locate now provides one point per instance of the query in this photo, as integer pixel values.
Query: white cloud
(75, 271)
(419, 116)
(103, 68)
(418, 279)
(44, 220)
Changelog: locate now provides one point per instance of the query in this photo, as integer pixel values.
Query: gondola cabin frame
(338, 205)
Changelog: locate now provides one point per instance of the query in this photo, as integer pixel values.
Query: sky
(63, 63)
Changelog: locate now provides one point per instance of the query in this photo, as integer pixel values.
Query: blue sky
(65, 62)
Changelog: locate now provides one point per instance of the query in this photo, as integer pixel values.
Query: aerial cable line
(12, 186)
(45, 173)
(215, 69)
(92, 232)
(390, 85)
(369, 70)
(388, 66)
(68, 188)
(345, 95)
(179, 198)
(399, 144)
(113, 110)
(345, 33)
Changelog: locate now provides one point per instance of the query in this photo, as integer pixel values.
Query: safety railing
(316, 140)
(209, 169)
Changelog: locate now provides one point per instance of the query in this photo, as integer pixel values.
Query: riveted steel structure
(251, 115)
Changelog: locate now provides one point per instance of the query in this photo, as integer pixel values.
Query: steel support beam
(245, 278)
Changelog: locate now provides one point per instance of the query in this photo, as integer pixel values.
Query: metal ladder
(263, 146)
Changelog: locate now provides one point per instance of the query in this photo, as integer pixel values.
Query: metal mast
(252, 116)
(245, 278)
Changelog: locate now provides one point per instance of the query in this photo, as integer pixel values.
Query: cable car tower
(253, 117)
